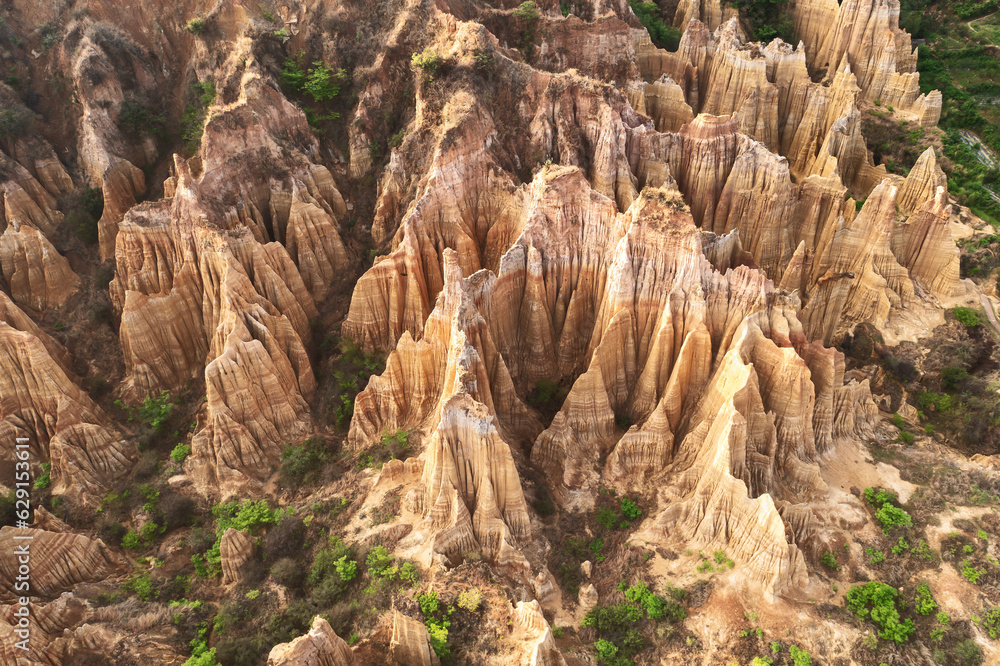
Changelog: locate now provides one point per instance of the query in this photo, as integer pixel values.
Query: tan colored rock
(922, 183)
(320, 647)
(709, 12)
(25, 200)
(601, 48)
(664, 103)
(923, 244)
(236, 549)
(866, 34)
(533, 633)
(123, 183)
(39, 277)
(858, 277)
(41, 402)
(58, 562)
(39, 158)
(587, 598)
(469, 489)
(195, 299)
(410, 643)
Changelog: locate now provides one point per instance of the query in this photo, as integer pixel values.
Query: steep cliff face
(61, 561)
(866, 35)
(208, 287)
(42, 402)
(625, 308)
(36, 274)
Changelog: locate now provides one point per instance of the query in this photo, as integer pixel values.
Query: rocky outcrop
(647, 324)
(710, 12)
(532, 632)
(320, 647)
(410, 643)
(601, 49)
(227, 290)
(26, 201)
(235, 549)
(469, 489)
(858, 278)
(58, 562)
(123, 183)
(866, 35)
(40, 401)
(39, 277)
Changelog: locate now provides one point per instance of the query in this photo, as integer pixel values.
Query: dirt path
(988, 309)
(981, 18)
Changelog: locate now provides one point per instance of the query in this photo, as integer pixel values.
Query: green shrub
(887, 514)
(136, 120)
(201, 655)
(527, 11)
(663, 35)
(969, 652)
(890, 516)
(322, 83)
(966, 317)
(437, 626)
(470, 600)
(877, 601)
(545, 392)
(829, 560)
(427, 61)
(155, 411)
(293, 74)
(971, 573)
(193, 120)
(180, 453)
(630, 509)
(131, 540)
(924, 602)
(245, 516)
(951, 377)
(939, 402)
(346, 569)
(605, 650)
(196, 26)
(991, 622)
(44, 480)
(142, 586)
(657, 607)
(303, 464)
(607, 518)
(799, 656)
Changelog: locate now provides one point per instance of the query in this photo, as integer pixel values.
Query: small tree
(967, 317)
(196, 26)
(427, 61)
(527, 11)
(322, 82)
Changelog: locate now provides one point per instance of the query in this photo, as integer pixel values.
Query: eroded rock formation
(58, 562)
(41, 402)
(320, 647)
